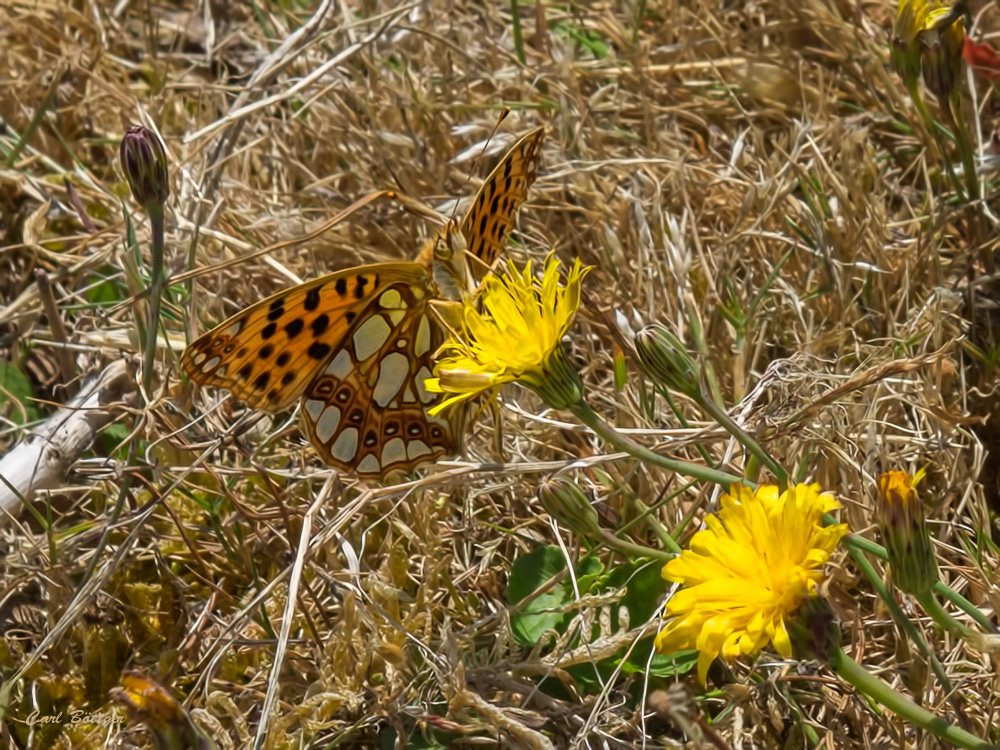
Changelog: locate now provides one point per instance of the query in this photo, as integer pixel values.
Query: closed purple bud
(145, 163)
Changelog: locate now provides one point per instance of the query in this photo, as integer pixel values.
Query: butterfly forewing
(267, 354)
(491, 216)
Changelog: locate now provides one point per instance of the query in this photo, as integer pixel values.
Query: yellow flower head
(748, 572)
(911, 15)
(515, 337)
(928, 36)
(941, 43)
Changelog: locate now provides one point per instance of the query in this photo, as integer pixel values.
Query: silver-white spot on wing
(341, 365)
(392, 374)
(326, 425)
(391, 300)
(370, 337)
(423, 342)
(425, 396)
(346, 445)
(314, 407)
(417, 448)
(393, 451)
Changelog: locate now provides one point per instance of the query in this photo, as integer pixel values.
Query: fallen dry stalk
(42, 460)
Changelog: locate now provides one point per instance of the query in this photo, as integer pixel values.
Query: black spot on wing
(312, 299)
(320, 324)
(319, 350)
(294, 328)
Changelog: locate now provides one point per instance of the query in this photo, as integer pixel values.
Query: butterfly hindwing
(491, 216)
(367, 410)
(267, 354)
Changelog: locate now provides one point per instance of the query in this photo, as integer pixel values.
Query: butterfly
(355, 346)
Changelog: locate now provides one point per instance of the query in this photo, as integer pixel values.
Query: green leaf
(530, 572)
(644, 586)
(105, 291)
(112, 440)
(16, 390)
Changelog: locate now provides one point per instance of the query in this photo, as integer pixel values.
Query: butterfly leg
(448, 314)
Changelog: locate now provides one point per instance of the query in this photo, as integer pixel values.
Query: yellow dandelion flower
(748, 572)
(941, 43)
(516, 337)
(928, 36)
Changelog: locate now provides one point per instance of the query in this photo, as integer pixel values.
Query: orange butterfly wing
(267, 354)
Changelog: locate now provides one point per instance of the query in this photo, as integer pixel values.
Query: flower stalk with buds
(144, 162)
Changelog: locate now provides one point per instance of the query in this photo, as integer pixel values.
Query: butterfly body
(355, 346)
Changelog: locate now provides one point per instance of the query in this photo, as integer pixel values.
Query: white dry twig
(42, 460)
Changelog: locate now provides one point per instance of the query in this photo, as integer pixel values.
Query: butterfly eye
(442, 249)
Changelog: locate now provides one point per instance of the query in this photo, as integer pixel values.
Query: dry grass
(755, 159)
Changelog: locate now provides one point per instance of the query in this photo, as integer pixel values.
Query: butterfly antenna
(475, 162)
(503, 116)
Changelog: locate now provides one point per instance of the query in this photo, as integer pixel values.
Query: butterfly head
(451, 270)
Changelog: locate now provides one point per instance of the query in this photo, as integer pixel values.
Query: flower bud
(900, 516)
(145, 164)
(904, 50)
(815, 630)
(149, 703)
(941, 45)
(664, 358)
(566, 503)
(556, 381)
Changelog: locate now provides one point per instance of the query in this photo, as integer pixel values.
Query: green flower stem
(155, 211)
(918, 101)
(632, 550)
(965, 605)
(602, 429)
(723, 419)
(853, 541)
(904, 622)
(874, 688)
(944, 620)
(964, 143)
(966, 149)
(645, 513)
